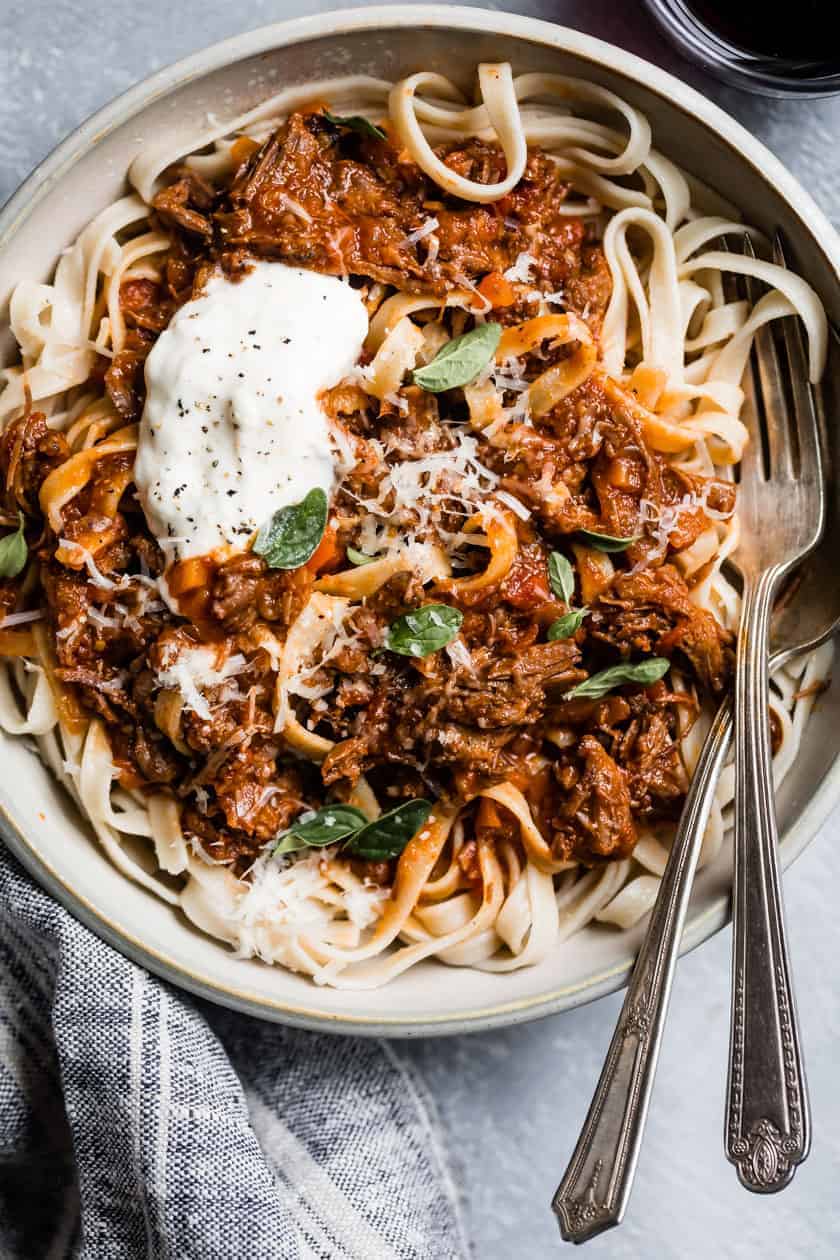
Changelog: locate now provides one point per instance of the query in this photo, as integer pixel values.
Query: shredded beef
(124, 378)
(254, 797)
(641, 730)
(651, 612)
(29, 451)
(496, 705)
(175, 205)
(244, 590)
(453, 714)
(316, 196)
(594, 819)
(143, 749)
(592, 443)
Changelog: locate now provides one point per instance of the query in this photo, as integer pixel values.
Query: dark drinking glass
(777, 49)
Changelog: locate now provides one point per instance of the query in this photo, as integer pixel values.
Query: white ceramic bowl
(84, 174)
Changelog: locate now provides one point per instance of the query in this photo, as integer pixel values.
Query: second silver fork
(781, 505)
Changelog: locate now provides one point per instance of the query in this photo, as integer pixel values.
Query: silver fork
(595, 1188)
(781, 504)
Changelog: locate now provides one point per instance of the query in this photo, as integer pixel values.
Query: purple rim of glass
(736, 66)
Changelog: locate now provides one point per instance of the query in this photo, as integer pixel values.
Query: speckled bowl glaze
(87, 171)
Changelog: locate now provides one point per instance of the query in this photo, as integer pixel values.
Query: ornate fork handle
(767, 1120)
(596, 1185)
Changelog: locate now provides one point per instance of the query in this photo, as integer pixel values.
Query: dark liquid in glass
(806, 31)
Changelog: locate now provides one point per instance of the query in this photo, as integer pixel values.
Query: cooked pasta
(393, 622)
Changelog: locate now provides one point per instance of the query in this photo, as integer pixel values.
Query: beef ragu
(441, 723)
(248, 693)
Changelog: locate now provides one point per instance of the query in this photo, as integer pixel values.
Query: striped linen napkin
(136, 1121)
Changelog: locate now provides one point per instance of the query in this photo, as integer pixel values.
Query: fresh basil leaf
(460, 360)
(561, 577)
(355, 122)
(646, 672)
(606, 542)
(294, 532)
(359, 557)
(325, 826)
(565, 627)
(423, 631)
(13, 552)
(387, 836)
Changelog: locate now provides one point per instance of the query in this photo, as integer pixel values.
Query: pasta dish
(369, 474)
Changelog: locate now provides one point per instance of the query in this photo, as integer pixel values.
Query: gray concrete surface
(513, 1101)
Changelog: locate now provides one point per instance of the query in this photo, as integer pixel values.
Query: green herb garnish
(423, 631)
(378, 841)
(460, 360)
(294, 532)
(13, 552)
(564, 627)
(325, 826)
(355, 122)
(387, 836)
(561, 577)
(606, 542)
(646, 672)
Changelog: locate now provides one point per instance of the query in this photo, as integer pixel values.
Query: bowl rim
(587, 48)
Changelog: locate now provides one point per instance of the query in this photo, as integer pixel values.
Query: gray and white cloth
(136, 1121)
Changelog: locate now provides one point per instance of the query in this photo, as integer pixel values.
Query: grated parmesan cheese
(191, 670)
(416, 489)
(459, 655)
(486, 304)
(202, 798)
(289, 896)
(521, 270)
(202, 854)
(395, 400)
(665, 519)
(509, 500)
(507, 376)
(294, 207)
(425, 229)
(86, 556)
(341, 444)
(126, 582)
(73, 629)
(100, 619)
(557, 298)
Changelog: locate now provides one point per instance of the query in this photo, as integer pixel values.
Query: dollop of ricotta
(232, 428)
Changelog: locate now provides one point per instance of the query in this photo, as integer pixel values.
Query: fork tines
(779, 395)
